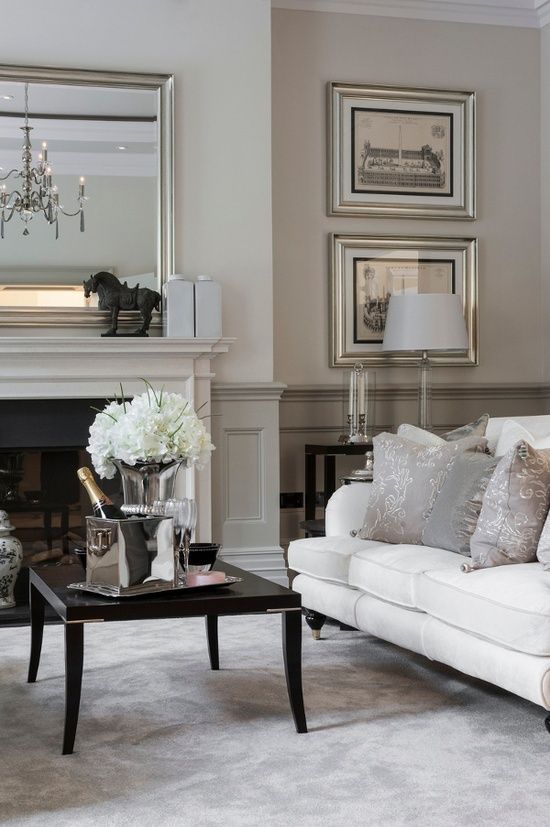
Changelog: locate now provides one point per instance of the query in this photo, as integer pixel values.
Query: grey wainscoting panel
(245, 476)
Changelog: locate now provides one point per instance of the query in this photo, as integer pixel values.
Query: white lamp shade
(425, 321)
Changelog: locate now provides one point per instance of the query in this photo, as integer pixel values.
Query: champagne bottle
(102, 505)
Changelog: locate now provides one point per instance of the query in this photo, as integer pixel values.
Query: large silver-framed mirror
(100, 155)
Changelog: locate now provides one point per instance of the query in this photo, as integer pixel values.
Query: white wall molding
(250, 391)
(531, 14)
(245, 475)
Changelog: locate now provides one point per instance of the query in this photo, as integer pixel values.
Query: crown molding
(533, 14)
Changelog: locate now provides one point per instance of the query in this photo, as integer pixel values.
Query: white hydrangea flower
(153, 427)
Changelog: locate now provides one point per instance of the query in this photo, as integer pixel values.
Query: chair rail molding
(245, 475)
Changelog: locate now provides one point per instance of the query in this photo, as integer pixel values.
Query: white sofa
(493, 624)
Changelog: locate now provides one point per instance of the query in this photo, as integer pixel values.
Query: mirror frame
(164, 86)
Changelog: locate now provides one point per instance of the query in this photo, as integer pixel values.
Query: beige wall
(545, 196)
(502, 65)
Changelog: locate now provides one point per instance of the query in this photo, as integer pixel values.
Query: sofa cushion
(407, 479)
(456, 511)
(423, 437)
(391, 572)
(475, 428)
(514, 509)
(326, 558)
(509, 605)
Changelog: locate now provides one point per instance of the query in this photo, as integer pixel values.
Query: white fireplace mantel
(47, 367)
(77, 367)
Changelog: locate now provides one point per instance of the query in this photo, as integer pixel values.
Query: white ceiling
(85, 140)
(526, 13)
(65, 99)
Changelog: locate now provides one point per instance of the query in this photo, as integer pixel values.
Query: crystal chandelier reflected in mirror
(37, 195)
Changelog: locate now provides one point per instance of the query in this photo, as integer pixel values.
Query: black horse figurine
(115, 296)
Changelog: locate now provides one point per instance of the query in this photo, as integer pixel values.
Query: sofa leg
(547, 722)
(315, 621)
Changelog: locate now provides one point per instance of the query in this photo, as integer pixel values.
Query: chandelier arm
(71, 214)
(9, 218)
(16, 202)
(11, 172)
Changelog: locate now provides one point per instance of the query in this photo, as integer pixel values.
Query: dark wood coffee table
(254, 595)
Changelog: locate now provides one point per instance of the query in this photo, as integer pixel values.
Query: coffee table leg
(292, 655)
(36, 607)
(212, 638)
(74, 658)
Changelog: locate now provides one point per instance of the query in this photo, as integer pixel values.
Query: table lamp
(425, 322)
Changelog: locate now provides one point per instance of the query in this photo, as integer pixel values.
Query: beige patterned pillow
(514, 510)
(407, 479)
(475, 428)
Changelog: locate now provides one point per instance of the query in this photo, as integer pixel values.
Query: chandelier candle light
(37, 194)
(358, 400)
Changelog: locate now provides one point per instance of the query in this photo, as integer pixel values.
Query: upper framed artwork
(367, 270)
(395, 151)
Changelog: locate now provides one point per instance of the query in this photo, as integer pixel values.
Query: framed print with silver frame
(395, 151)
(367, 270)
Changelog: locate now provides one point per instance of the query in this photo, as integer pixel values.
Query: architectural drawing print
(376, 279)
(401, 152)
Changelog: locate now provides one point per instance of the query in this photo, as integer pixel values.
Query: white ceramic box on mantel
(208, 308)
(178, 307)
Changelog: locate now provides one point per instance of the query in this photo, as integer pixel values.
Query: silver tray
(155, 587)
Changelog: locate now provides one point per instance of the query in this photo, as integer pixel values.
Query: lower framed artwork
(367, 270)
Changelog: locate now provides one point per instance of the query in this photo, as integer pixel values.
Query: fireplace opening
(42, 444)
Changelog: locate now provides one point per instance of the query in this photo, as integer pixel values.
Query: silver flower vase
(145, 482)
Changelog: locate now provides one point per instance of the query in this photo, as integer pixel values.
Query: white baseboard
(268, 562)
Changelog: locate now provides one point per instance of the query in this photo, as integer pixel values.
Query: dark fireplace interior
(42, 443)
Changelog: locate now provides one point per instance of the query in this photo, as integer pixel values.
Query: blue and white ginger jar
(11, 557)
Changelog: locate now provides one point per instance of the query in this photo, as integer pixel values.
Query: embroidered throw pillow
(407, 479)
(514, 509)
(419, 435)
(475, 428)
(423, 437)
(456, 511)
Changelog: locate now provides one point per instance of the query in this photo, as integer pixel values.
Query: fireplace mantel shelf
(53, 367)
(105, 348)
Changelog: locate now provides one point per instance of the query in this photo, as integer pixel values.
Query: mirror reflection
(94, 147)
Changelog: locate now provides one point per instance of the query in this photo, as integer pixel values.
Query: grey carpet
(394, 740)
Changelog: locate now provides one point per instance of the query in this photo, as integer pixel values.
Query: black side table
(329, 452)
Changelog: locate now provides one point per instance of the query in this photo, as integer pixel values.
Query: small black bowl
(202, 556)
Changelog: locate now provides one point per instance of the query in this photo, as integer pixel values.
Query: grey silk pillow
(407, 479)
(475, 428)
(514, 509)
(456, 510)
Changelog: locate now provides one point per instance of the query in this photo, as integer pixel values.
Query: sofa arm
(346, 508)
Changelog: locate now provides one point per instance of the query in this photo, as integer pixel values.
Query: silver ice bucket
(133, 556)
